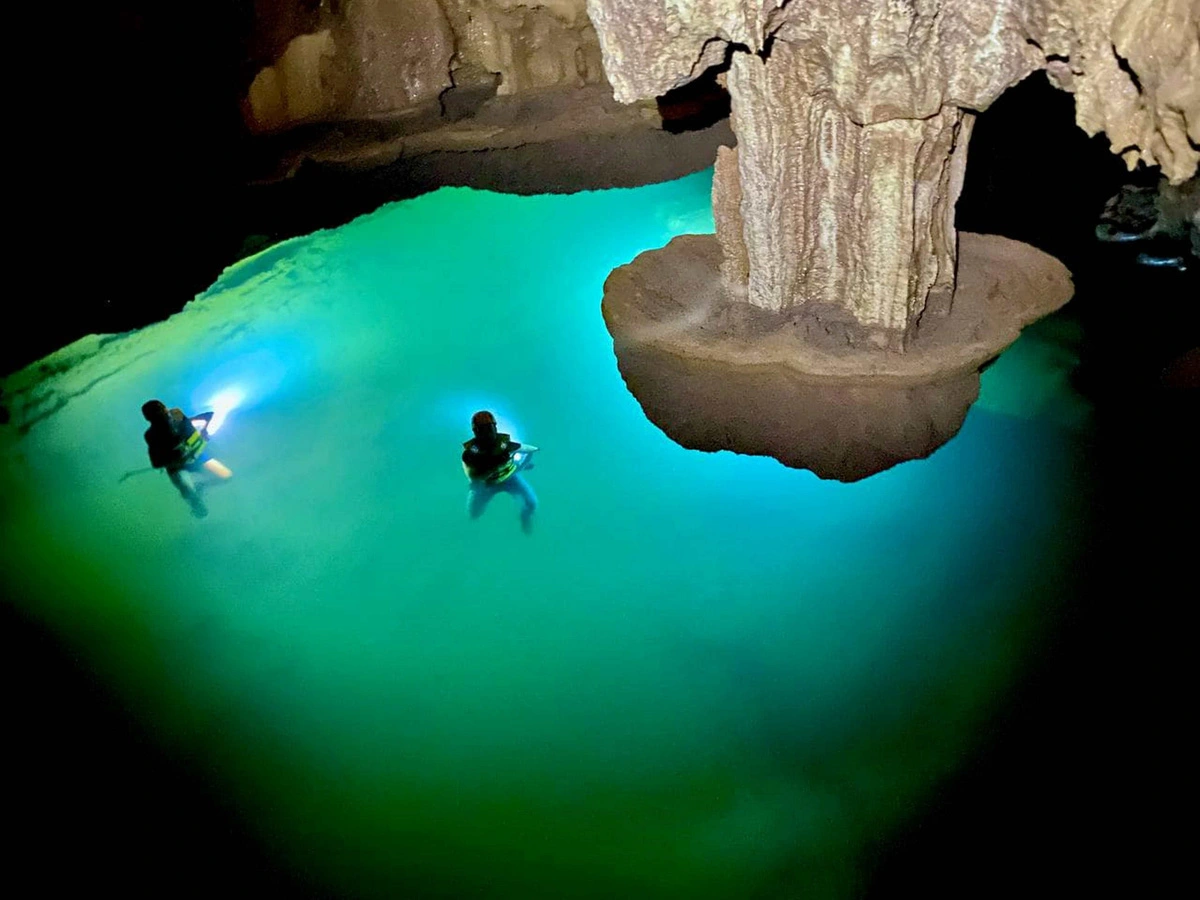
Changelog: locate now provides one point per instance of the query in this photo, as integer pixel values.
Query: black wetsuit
(483, 457)
(167, 441)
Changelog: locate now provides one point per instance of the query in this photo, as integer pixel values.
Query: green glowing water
(701, 676)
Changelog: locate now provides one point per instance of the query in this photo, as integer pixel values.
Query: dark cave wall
(1033, 175)
(276, 22)
(142, 178)
(336, 60)
(143, 186)
(141, 158)
(134, 180)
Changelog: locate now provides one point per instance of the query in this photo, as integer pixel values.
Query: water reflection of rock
(715, 373)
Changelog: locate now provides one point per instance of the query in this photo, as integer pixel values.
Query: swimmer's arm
(201, 421)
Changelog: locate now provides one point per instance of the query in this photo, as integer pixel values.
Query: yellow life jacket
(192, 446)
(498, 475)
(503, 473)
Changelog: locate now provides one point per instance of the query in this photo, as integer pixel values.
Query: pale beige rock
(529, 44)
(1153, 117)
(373, 57)
(402, 51)
(881, 58)
(852, 119)
(383, 56)
(1134, 67)
(295, 89)
(855, 220)
(727, 215)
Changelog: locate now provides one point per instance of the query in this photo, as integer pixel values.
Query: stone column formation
(853, 117)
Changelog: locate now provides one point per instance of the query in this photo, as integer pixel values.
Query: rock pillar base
(715, 373)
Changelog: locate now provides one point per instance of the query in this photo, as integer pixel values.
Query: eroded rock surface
(528, 45)
(364, 58)
(297, 87)
(853, 116)
(358, 58)
(1134, 67)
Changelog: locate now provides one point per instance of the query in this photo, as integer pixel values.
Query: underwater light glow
(222, 404)
(248, 378)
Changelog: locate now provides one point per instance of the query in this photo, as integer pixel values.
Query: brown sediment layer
(556, 139)
(715, 373)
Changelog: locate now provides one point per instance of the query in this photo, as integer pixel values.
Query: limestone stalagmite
(835, 214)
(854, 221)
(852, 119)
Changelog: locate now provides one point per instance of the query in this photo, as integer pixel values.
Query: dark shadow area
(132, 181)
(1035, 176)
(698, 104)
(94, 805)
(155, 186)
(1072, 792)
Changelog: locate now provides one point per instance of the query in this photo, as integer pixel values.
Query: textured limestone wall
(529, 44)
(403, 52)
(1134, 68)
(368, 57)
(338, 59)
(298, 87)
(853, 116)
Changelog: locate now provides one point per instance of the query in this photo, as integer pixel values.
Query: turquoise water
(702, 676)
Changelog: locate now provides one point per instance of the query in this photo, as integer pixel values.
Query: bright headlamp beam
(222, 404)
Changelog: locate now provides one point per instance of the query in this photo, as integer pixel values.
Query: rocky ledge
(715, 373)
